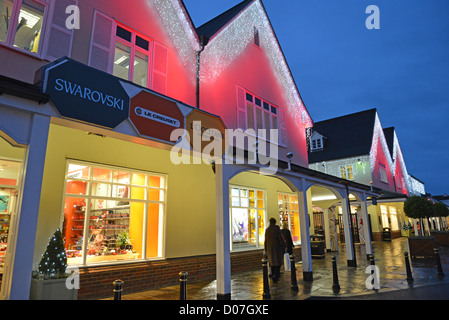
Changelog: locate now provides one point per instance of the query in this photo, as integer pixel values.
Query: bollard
(183, 285)
(407, 267)
(371, 259)
(335, 285)
(440, 269)
(118, 289)
(294, 284)
(266, 286)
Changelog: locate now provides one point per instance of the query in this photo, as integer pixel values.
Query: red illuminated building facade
(90, 119)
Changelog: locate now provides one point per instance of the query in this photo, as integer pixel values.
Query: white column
(326, 229)
(21, 263)
(304, 231)
(223, 232)
(350, 254)
(366, 226)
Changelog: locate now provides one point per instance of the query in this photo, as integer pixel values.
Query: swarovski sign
(83, 93)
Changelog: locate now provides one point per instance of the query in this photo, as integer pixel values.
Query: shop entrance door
(355, 229)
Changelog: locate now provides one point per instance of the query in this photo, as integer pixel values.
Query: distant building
(357, 148)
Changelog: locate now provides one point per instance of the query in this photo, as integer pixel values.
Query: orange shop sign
(154, 116)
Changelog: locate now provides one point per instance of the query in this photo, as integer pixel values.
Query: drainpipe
(203, 43)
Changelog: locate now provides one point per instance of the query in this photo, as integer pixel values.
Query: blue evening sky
(341, 67)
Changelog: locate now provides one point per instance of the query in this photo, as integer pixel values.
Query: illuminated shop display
(9, 189)
(247, 217)
(112, 214)
(289, 212)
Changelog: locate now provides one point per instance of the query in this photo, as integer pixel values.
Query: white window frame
(133, 49)
(252, 245)
(383, 175)
(88, 196)
(274, 117)
(345, 170)
(11, 35)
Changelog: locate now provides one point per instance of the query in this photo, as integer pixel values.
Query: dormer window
(316, 142)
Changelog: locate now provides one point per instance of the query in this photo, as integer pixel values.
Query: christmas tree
(54, 261)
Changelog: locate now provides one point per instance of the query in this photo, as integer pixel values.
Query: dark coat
(287, 236)
(274, 245)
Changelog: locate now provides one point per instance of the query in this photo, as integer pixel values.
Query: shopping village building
(87, 117)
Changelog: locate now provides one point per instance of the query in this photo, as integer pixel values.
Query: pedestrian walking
(274, 248)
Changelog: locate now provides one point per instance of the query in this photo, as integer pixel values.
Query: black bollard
(440, 269)
(118, 289)
(183, 285)
(371, 259)
(294, 284)
(266, 285)
(335, 285)
(407, 267)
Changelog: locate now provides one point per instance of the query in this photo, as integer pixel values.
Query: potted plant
(420, 245)
(406, 229)
(48, 282)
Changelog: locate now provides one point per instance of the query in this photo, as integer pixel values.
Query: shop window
(21, 23)
(394, 219)
(247, 217)
(289, 214)
(9, 190)
(112, 214)
(384, 216)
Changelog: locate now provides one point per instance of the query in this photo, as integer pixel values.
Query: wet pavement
(388, 258)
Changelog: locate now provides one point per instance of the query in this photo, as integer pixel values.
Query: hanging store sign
(204, 128)
(83, 93)
(154, 116)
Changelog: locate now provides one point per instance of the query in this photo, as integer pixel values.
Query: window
(384, 216)
(127, 54)
(346, 172)
(112, 214)
(383, 173)
(247, 217)
(256, 37)
(132, 56)
(394, 219)
(289, 213)
(317, 144)
(261, 115)
(21, 23)
(316, 141)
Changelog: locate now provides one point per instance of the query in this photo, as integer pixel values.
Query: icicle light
(233, 39)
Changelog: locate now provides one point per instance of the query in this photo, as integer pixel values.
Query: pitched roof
(346, 136)
(211, 27)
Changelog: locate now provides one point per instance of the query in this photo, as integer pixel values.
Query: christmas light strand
(230, 42)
